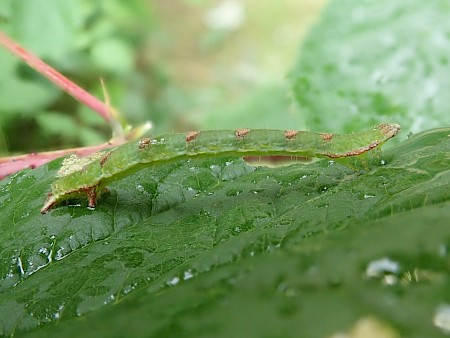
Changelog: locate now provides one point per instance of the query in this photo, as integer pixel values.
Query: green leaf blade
(199, 225)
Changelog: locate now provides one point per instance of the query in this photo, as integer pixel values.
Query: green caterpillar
(89, 175)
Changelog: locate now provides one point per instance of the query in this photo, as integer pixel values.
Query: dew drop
(188, 275)
(20, 266)
(378, 267)
(60, 253)
(57, 314)
(384, 268)
(173, 281)
(109, 299)
(43, 251)
(129, 288)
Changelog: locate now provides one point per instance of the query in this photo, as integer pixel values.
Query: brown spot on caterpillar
(241, 133)
(327, 136)
(104, 158)
(290, 134)
(143, 143)
(192, 135)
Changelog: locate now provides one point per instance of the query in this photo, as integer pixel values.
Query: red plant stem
(61, 81)
(10, 165)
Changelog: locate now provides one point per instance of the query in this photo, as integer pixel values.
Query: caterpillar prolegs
(89, 175)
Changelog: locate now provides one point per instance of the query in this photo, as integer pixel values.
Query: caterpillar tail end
(49, 203)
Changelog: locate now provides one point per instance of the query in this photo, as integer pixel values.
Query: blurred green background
(340, 66)
(182, 64)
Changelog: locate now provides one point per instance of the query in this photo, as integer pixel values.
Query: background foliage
(160, 61)
(376, 60)
(221, 248)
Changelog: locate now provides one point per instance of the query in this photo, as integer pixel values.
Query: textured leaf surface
(220, 248)
(368, 59)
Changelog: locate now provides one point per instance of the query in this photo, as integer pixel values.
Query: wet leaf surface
(209, 247)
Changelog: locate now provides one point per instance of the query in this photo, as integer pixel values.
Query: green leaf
(255, 110)
(32, 22)
(113, 55)
(55, 123)
(217, 247)
(371, 59)
(14, 90)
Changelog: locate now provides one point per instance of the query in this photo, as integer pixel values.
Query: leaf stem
(10, 165)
